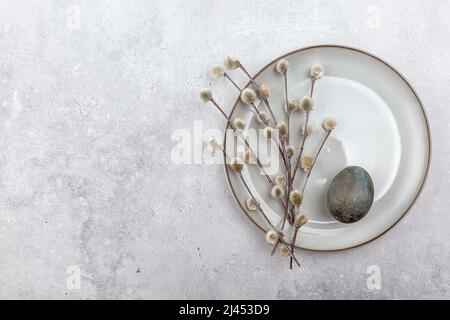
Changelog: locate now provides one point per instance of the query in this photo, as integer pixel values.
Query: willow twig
(260, 93)
(271, 225)
(280, 145)
(227, 76)
(305, 133)
(266, 102)
(289, 169)
(258, 162)
(241, 136)
(294, 237)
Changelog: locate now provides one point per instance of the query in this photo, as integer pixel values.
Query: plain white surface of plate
(382, 127)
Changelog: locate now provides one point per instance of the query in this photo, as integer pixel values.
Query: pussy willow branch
(227, 76)
(287, 211)
(268, 221)
(286, 102)
(291, 254)
(302, 146)
(280, 144)
(305, 134)
(256, 111)
(289, 169)
(258, 162)
(315, 159)
(313, 81)
(241, 136)
(300, 153)
(266, 102)
(260, 93)
(294, 237)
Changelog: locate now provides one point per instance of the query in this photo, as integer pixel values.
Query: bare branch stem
(241, 136)
(271, 225)
(260, 93)
(305, 133)
(280, 145)
(294, 237)
(292, 256)
(227, 76)
(302, 147)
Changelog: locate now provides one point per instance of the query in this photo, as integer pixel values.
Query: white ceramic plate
(382, 127)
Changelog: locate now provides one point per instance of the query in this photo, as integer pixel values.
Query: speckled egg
(350, 195)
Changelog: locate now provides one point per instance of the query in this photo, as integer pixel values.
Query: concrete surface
(90, 93)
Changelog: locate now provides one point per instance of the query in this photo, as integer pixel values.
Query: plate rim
(429, 153)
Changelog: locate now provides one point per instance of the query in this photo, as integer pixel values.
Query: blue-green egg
(350, 195)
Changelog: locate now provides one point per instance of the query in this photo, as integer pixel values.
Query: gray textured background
(89, 95)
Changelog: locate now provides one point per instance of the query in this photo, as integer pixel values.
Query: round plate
(382, 127)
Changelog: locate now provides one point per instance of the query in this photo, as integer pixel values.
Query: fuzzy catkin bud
(306, 162)
(282, 66)
(306, 104)
(284, 251)
(239, 124)
(281, 181)
(290, 151)
(300, 220)
(248, 96)
(217, 71)
(264, 118)
(329, 124)
(316, 71)
(283, 130)
(277, 192)
(296, 197)
(291, 106)
(265, 90)
(236, 164)
(268, 133)
(272, 236)
(251, 204)
(231, 63)
(205, 95)
(214, 144)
